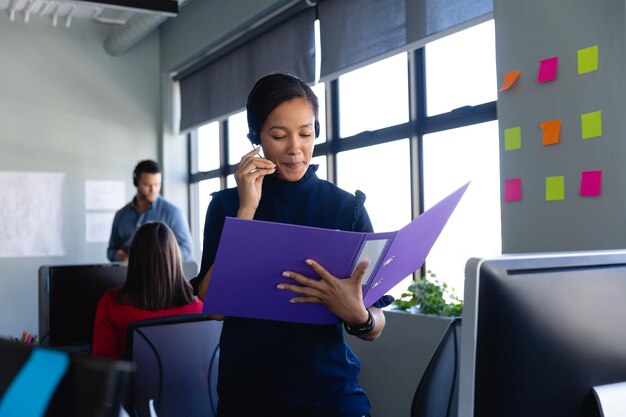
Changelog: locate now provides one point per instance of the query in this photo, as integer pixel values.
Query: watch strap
(366, 327)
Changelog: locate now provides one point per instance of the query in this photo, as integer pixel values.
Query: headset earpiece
(135, 179)
(253, 137)
(317, 128)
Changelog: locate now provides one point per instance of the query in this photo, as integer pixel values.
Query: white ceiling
(62, 12)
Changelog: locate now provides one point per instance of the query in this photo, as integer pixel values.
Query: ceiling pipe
(137, 28)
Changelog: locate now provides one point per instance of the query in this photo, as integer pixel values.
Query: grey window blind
(354, 33)
(221, 86)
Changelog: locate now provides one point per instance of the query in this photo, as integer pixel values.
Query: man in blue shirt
(147, 206)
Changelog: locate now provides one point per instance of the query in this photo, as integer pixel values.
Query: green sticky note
(591, 124)
(555, 188)
(588, 59)
(512, 138)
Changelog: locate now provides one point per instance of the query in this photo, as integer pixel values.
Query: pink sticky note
(547, 69)
(513, 189)
(590, 183)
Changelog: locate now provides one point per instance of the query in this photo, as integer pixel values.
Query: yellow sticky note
(551, 132)
(555, 188)
(513, 138)
(509, 79)
(591, 124)
(588, 59)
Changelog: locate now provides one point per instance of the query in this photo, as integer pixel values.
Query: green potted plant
(427, 295)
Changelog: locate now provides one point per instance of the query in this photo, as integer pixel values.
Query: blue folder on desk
(252, 255)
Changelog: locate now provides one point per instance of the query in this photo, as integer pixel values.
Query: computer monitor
(540, 331)
(68, 297)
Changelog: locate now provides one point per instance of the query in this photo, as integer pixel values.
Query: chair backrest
(176, 359)
(437, 394)
(89, 386)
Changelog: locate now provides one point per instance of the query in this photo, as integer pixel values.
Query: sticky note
(590, 183)
(512, 138)
(555, 188)
(591, 124)
(512, 189)
(588, 59)
(509, 79)
(547, 69)
(551, 132)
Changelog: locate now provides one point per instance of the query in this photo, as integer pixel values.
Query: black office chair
(89, 386)
(176, 359)
(437, 394)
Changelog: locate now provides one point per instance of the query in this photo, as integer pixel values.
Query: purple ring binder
(246, 271)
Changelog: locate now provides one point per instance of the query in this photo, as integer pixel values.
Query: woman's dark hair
(271, 91)
(155, 278)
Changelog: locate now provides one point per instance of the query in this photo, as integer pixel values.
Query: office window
(208, 157)
(452, 158)
(382, 173)
(461, 69)
(319, 91)
(238, 142)
(374, 96)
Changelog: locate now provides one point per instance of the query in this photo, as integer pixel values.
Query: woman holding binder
(284, 368)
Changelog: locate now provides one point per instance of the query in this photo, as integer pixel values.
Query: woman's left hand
(344, 297)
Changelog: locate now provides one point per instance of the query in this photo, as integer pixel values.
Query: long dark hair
(271, 91)
(155, 278)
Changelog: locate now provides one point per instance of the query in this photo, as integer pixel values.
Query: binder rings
(252, 255)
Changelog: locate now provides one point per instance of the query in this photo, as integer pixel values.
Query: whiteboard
(31, 214)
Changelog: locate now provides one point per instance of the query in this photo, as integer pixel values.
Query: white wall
(66, 106)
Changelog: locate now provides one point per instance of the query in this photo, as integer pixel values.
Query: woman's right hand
(249, 177)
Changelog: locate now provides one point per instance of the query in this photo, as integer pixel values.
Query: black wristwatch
(366, 327)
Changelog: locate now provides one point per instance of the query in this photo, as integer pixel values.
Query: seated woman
(155, 287)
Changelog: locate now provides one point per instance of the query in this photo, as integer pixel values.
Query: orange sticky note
(551, 132)
(509, 79)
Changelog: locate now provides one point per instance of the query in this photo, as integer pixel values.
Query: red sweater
(112, 319)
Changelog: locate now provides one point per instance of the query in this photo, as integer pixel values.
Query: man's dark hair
(148, 166)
